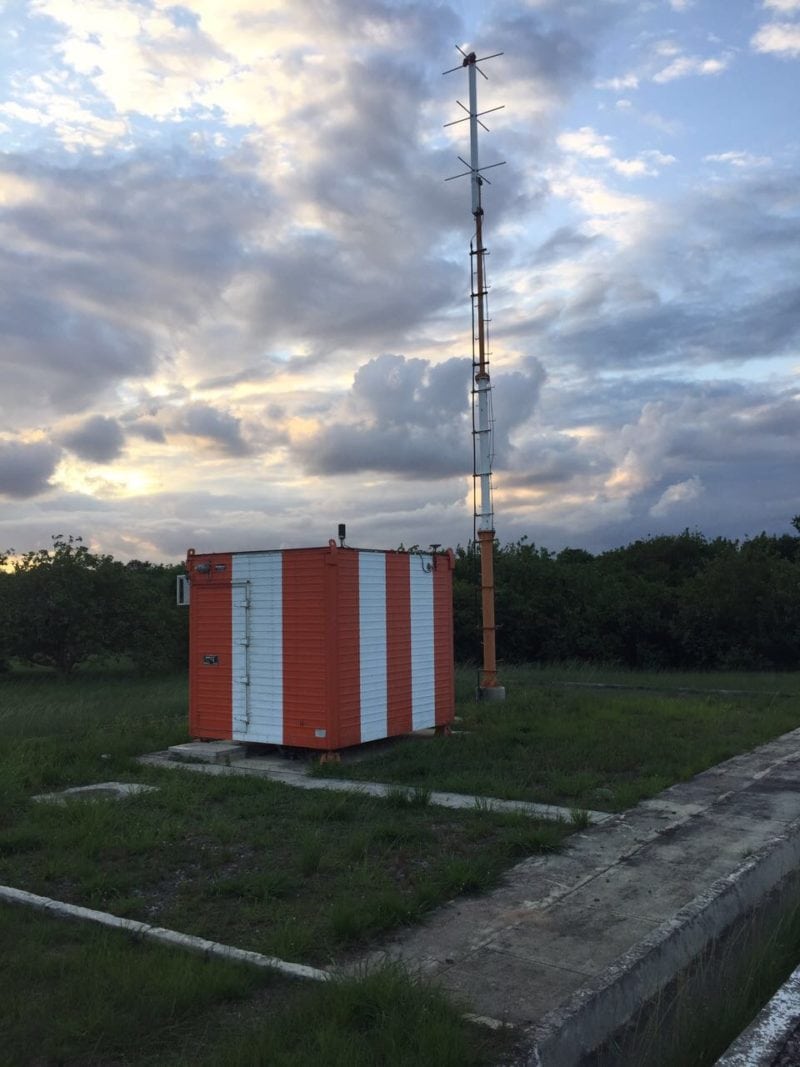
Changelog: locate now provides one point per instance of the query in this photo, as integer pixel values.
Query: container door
(258, 647)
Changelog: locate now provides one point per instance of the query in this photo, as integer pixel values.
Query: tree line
(678, 601)
(62, 606)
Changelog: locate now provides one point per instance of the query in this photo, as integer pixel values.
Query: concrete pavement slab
(570, 943)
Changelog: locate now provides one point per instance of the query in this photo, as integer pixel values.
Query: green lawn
(78, 995)
(309, 876)
(589, 748)
(303, 875)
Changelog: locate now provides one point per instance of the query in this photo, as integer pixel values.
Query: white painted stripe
(423, 703)
(257, 635)
(372, 644)
(60, 910)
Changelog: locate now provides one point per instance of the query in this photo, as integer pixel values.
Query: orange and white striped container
(319, 648)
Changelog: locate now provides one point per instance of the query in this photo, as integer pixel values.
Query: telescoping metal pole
(488, 685)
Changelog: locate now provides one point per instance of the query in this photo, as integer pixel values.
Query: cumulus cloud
(785, 7)
(589, 144)
(106, 271)
(411, 417)
(778, 38)
(617, 84)
(26, 467)
(217, 428)
(97, 439)
(676, 495)
(684, 66)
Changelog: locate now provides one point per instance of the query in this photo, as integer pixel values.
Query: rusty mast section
(482, 418)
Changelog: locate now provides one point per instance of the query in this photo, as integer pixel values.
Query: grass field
(302, 875)
(554, 741)
(308, 876)
(77, 995)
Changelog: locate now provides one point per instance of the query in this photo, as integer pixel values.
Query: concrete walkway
(569, 946)
(229, 757)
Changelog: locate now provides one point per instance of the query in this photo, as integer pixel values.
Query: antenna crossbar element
(480, 170)
(472, 60)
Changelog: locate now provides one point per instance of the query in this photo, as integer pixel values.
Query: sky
(235, 285)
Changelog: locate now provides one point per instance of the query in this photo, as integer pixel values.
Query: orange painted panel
(398, 643)
(210, 703)
(305, 648)
(444, 684)
(348, 653)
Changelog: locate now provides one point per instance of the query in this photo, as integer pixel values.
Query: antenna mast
(482, 420)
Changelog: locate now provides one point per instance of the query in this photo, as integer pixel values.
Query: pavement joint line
(298, 779)
(61, 909)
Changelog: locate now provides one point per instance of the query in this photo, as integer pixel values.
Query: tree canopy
(64, 605)
(674, 601)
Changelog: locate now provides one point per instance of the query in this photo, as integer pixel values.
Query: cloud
(685, 66)
(26, 467)
(738, 159)
(668, 295)
(585, 142)
(108, 272)
(676, 495)
(148, 430)
(564, 242)
(58, 355)
(225, 211)
(411, 417)
(785, 7)
(97, 439)
(778, 38)
(620, 83)
(218, 428)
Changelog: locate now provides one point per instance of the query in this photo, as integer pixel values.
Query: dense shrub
(678, 601)
(60, 607)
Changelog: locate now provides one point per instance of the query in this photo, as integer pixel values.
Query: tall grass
(707, 1006)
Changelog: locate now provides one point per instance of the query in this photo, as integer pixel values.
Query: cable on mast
(482, 412)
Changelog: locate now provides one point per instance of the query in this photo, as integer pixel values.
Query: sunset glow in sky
(234, 295)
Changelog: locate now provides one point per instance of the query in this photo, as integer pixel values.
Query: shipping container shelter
(319, 648)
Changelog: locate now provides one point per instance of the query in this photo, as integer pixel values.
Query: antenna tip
(469, 59)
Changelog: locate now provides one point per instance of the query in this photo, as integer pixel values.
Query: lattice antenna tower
(482, 416)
